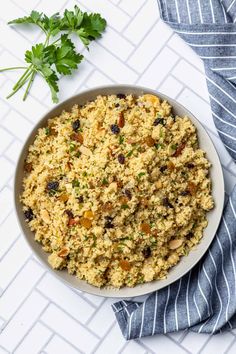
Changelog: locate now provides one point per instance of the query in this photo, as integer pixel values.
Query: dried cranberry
(76, 125)
(147, 252)
(120, 95)
(121, 159)
(29, 215)
(115, 129)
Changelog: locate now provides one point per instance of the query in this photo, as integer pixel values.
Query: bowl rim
(95, 290)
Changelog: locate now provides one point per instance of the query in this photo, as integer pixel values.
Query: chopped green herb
(78, 154)
(75, 183)
(124, 206)
(141, 174)
(85, 174)
(94, 241)
(72, 146)
(158, 146)
(130, 153)
(121, 139)
(47, 131)
(173, 146)
(125, 238)
(104, 182)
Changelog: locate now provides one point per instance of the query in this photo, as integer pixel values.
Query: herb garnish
(75, 183)
(57, 55)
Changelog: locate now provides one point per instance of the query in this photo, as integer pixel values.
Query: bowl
(187, 262)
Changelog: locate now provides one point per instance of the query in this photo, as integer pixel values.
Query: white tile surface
(68, 328)
(38, 314)
(35, 339)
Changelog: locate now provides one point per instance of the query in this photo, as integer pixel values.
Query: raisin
(189, 235)
(166, 203)
(115, 129)
(69, 214)
(108, 222)
(81, 199)
(163, 168)
(146, 252)
(52, 185)
(121, 159)
(28, 167)
(29, 215)
(121, 95)
(76, 125)
(117, 105)
(158, 121)
(190, 165)
(128, 194)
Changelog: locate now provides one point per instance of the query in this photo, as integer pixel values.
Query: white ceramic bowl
(213, 216)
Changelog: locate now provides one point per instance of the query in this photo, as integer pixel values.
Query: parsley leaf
(87, 26)
(58, 57)
(65, 57)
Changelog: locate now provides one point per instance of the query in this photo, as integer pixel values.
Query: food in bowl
(117, 190)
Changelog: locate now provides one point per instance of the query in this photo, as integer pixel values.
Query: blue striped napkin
(204, 300)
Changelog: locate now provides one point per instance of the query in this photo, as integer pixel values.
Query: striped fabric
(204, 300)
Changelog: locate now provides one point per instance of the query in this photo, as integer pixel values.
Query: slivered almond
(158, 184)
(45, 216)
(63, 252)
(173, 244)
(85, 151)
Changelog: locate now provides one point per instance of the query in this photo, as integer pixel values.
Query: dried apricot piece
(85, 222)
(179, 150)
(121, 120)
(88, 214)
(149, 141)
(152, 99)
(192, 188)
(125, 265)
(144, 227)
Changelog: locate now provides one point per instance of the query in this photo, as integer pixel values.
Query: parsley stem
(19, 85)
(29, 85)
(22, 77)
(13, 68)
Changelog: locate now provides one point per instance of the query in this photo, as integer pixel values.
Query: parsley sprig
(57, 56)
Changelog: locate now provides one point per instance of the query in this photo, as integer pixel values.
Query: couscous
(117, 190)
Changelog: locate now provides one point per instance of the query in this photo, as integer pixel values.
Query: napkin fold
(204, 300)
